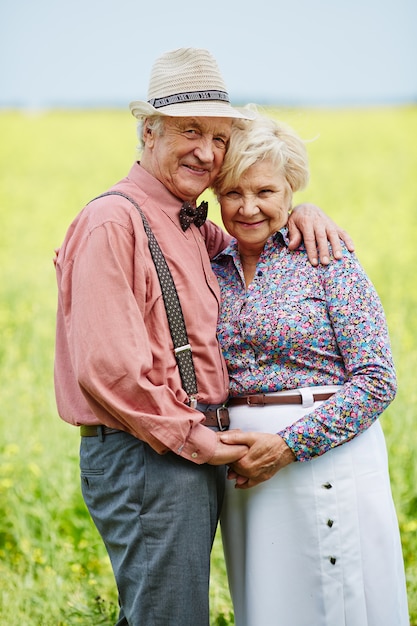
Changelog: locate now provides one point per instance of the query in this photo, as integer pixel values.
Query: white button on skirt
(318, 544)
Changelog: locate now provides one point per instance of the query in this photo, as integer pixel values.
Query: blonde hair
(263, 139)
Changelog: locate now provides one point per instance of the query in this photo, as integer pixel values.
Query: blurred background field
(53, 568)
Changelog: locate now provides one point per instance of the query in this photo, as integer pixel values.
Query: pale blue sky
(99, 52)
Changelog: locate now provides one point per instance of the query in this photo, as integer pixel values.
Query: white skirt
(318, 544)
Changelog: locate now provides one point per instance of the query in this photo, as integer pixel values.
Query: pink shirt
(114, 361)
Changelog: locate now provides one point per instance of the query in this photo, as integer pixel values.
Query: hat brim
(142, 109)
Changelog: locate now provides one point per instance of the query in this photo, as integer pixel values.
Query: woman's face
(257, 207)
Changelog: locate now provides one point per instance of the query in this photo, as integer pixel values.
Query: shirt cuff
(305, 443)
(199, 446)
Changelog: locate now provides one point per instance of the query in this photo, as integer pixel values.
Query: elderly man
(152, 462)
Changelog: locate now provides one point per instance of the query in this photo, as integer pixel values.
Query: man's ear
(147, 135)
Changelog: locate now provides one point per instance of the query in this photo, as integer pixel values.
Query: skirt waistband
(306, 396)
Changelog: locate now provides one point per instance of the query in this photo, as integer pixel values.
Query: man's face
(187, 156)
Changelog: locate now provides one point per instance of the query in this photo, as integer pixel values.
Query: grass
(53, 568)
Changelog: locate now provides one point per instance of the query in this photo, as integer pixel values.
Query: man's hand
(310, 224)
(267, 454)
(225, 454)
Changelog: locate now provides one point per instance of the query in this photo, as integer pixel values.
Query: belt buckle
(218, 417)
(259, 400)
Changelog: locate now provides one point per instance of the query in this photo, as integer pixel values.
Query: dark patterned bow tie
(189, 214)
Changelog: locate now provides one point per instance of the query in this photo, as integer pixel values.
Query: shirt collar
(156, 191)
(281, 237)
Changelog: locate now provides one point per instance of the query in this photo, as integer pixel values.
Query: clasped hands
(263, 455)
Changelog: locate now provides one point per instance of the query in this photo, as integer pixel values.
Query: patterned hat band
(189, 96)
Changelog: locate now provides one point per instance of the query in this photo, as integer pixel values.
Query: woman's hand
(267, 454)
(310, 224)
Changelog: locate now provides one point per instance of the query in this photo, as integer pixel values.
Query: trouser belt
(97, 431)
(218, 418)
(262, 399)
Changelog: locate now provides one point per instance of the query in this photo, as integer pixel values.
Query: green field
(53, 568)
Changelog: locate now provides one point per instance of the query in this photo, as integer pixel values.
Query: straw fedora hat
(187, 83)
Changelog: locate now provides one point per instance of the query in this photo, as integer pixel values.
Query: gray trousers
(157, 515)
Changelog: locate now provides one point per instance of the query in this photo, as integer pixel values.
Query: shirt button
(332, 560)
(330, 523)
(194, 455)
(327, 486)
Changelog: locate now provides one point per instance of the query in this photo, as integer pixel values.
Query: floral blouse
(300, 326)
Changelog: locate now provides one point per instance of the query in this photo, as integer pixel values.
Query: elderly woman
(316, 541)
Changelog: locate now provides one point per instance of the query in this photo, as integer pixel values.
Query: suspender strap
(182, 348)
